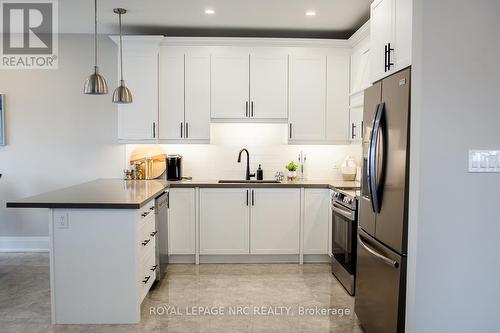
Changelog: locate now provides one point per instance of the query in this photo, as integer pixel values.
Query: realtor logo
(29, 34)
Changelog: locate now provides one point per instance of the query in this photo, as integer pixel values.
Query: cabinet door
(307, 109)
(275, 216)
(401, 56)
(268, 85)
(316, 213)
(356, 124)
(197, 116)
(381, 33)
(138, 120)
(181, 221)
(171, 94)
(230, 85)
(337, 105)
(224, 221)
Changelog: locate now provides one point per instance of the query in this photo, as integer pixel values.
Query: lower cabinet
(316, 216)
(239, 221)
(275, 221)
(181, 221)
(224, 221)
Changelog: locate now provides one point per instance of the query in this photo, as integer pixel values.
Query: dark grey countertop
(133, 194)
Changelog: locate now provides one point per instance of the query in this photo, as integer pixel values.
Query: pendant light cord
(121, 51)
(95, 32)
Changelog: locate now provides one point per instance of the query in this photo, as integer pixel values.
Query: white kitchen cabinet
(197, 115)
(307, 101)
(268, 85)
(230, 76)
(360, 80)
(249, 85)
(316, 219)
(337, 103)
(391, 36)
(184, 95)
(171, 118)
(138, 121)
(275, 220)
(224, 221)
(181, 221)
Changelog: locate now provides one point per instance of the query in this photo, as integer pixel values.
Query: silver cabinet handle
(353, 127)
(290, 130)
(253, 199)
(251, 109)
(377, 255)
(247, 197)
(154, 130)
(246, 109)
(181, 129)
(187, 130)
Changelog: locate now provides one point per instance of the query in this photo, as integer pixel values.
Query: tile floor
(255, 288)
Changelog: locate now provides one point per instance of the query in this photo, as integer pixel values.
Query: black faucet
(248, 175)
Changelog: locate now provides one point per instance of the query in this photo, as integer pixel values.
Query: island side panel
(93, 263)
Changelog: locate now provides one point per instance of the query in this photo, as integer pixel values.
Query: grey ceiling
(270, 18)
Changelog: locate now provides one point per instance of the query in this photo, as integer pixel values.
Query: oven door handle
(344, 212)
(377, 255)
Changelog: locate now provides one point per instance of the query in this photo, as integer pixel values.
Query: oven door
(343, 233)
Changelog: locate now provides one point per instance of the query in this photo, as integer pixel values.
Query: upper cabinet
(390, 33)
(138, 121)
(249, 84)
(180, 85)
(184, 95)
(319, 97)
(360, 80)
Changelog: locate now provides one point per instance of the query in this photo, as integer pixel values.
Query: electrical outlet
(484, 161)
(62, 221)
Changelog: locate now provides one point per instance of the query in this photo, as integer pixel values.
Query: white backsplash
(267, 144)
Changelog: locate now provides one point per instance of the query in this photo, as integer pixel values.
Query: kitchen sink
(224, 181)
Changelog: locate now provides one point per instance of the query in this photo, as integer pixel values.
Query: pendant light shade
(121, 94)
(95, 83)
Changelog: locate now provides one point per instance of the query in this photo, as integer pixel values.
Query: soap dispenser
(260, 173)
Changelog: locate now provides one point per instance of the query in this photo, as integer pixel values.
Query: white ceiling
(334, 18)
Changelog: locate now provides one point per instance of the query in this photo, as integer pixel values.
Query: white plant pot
(292, 175)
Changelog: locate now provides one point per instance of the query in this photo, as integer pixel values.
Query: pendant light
(122, 94)
(95, 83)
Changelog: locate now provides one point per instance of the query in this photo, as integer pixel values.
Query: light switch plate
(62, 221)
(484, 161)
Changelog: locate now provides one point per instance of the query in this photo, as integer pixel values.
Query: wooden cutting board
(156, 152)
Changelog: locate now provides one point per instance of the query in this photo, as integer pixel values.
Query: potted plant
(292, 170)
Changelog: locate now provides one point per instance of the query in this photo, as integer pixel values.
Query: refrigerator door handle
(377, 255)
(373, 159)
(370, 161)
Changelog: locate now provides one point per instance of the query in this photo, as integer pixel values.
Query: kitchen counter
(133, 194)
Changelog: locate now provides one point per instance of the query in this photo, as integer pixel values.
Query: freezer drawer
(380, 286)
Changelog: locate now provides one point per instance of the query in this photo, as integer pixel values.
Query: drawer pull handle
(146, 279)
(146, 242)
(144, 214)
(153, 233)
(152, 208)
(154, 268)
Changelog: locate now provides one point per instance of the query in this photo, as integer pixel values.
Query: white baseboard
(24, 244)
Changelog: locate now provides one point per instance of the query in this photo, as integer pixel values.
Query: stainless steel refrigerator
(383, 212)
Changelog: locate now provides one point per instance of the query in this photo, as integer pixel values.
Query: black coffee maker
(174, 167)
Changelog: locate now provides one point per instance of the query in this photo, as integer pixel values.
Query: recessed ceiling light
(209, 11)
(310, 13)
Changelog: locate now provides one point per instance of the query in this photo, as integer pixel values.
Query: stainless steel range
(344, 237)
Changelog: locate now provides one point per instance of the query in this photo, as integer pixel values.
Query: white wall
(56, 135)
(267, 144)
(454, 261)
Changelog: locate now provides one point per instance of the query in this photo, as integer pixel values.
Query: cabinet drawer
(146, 240)
(147, 275)
(146, 211)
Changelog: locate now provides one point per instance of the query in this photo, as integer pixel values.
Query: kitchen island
(103, 235)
